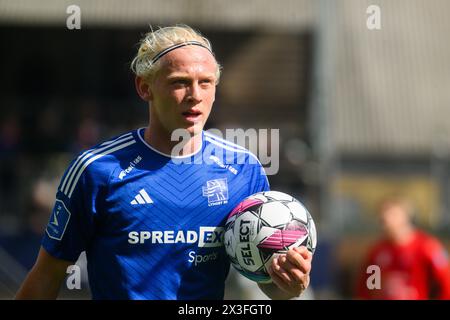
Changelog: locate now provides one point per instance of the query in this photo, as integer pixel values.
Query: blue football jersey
(151, 225)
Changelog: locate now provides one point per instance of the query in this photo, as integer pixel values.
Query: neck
(403, 235)
(161, 141)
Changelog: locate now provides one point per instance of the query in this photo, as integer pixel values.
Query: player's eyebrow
(178, 76)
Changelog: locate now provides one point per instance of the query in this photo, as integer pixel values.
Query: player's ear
(143, 89)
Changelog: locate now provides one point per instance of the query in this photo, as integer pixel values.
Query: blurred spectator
(10, 132)
(88, 131)
(413, 265)
(88, 135)
(49, 125)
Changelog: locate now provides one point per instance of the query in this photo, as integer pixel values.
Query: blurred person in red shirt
(412, 264)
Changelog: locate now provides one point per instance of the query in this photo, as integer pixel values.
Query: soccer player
(413, 265)
(148, 209)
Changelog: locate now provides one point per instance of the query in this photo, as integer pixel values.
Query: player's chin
(194, 128)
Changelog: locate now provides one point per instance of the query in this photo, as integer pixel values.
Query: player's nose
(194, 93)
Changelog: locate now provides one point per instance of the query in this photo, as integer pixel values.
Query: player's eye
(206, 82)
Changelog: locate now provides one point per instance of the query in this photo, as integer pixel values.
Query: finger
(301, 280)
(280, 271)
(279, 282)
(304, 252)
(297, 275)
(297, 259)
(291, 289)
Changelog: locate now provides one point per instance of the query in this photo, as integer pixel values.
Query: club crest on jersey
(216, 191)
(58, 221)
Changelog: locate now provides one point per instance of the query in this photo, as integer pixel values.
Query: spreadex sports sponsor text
(206, 237)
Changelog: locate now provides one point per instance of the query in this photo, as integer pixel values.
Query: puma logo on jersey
(142, 198)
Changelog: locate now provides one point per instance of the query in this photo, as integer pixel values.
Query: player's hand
(290, 271)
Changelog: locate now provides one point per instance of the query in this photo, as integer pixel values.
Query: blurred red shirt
(417, 270)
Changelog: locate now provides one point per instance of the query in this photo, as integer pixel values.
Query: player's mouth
(192, 115)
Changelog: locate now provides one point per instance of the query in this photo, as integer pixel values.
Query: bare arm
(274, 292)
(45, 278)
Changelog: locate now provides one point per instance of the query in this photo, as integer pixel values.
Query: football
(263, 225)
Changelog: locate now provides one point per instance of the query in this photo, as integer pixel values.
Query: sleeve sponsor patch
(58, 221)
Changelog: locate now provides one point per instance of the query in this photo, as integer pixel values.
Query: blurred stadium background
(362, 113)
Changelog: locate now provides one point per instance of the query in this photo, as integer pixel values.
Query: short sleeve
(71, 224)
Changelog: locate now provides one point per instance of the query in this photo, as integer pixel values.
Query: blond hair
(156, 41)
(397, 199)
